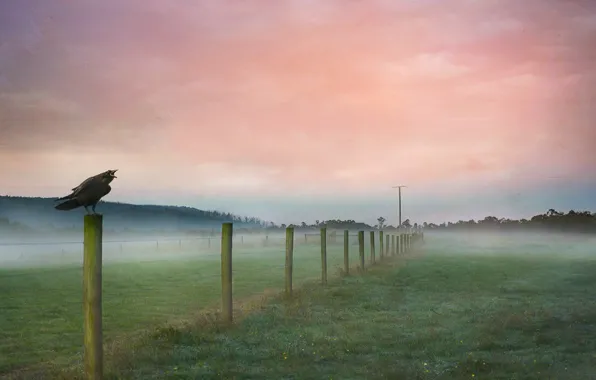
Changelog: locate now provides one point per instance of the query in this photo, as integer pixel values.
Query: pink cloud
(303, 97)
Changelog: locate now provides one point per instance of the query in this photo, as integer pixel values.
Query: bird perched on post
(88, 193)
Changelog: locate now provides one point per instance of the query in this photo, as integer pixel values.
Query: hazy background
(303, 110)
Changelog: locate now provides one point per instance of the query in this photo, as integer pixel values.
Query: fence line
(391, 244)
(330, 235)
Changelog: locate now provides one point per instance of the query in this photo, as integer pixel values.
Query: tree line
(572, 221)
(16, 213)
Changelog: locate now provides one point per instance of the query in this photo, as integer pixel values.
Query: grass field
(461, 308)
(41, 317)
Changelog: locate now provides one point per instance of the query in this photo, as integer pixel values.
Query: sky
(298, 110)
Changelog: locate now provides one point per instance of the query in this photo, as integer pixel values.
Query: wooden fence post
(289, 259)
(404, 239)
(372, 247)
(381, 248)
(392, 245)
(361, 249)
(402, 247)
(324, 256)
(406, 245)
(226, 272)
(347, 252)
(92, 296)
(387, 247)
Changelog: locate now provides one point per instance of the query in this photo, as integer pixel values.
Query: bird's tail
(68, 205)
(63, 198)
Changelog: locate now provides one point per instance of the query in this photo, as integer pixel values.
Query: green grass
(41, 308)
(439, 315)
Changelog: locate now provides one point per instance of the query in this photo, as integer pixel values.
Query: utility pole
(399, 199)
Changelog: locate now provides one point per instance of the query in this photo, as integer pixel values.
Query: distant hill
(27, 213)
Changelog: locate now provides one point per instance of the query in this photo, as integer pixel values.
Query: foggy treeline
(25, 215)
(572, 221)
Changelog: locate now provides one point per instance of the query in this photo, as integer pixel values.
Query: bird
(88, 193)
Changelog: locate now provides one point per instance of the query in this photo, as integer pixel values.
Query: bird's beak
(114, 173)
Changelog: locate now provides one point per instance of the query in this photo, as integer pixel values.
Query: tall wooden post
(387, 245)
(372, 247)
(347, 252)
(324, 255)
(402, 243)
(289, 259)
(92, 300)
(226, 272)
(361, 249)
(381, 248)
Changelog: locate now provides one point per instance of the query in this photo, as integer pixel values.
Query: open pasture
(468, 305)
(480, 306)
(143, 286)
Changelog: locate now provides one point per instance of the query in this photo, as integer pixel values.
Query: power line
(399, 204)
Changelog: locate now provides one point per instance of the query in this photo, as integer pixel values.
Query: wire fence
(51, 253)
(146, 284)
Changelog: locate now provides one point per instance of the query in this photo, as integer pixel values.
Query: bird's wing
(89, 182)
(85, 183)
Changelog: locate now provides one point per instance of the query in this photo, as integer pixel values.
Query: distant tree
(577, 221)
(381, 222)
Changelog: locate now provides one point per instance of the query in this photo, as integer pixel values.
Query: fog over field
(136, 248)
(68, 249)
(572, 245)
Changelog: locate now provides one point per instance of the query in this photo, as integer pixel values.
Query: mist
(121, 246)
(563, 245)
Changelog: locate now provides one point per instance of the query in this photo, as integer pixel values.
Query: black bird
(88, 193)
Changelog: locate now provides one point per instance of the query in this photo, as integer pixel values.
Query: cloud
(298, 97)
(430, 66)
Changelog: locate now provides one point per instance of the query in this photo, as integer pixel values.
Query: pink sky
(298, 101)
